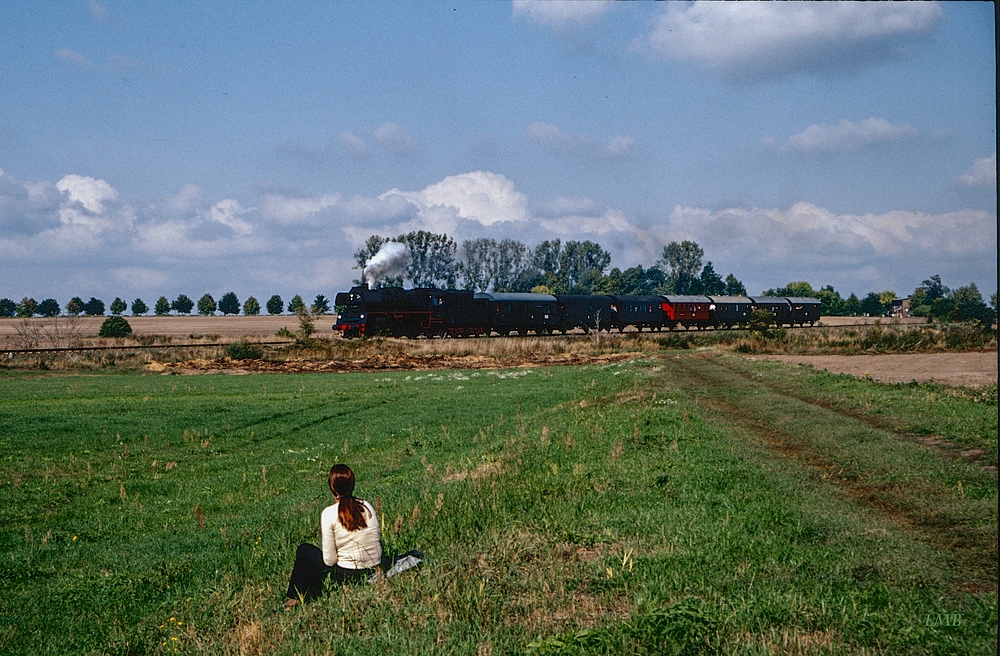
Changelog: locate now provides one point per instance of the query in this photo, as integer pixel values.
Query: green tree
(432, 259)
(49, 308)
(251, 307)
(873, 306)
(577, 262)
(275, 305)
(206, 305)
(852, 306)
(182, 304)
(28, 307)
(734, 287)
(118, 306)
(139, 307)
(296, 304)
(229, 303)
(94, 307)
(799, 288)
(969, 306)
(711, 282)
(546, 256)
(115, 326)
(8, 308)
(162, 307)
(75, 306)
(681, 262)
(320, 305)
(831, 303)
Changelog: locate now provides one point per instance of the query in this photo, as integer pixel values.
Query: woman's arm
(329, 540)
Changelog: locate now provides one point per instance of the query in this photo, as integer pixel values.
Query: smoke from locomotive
(390, 261)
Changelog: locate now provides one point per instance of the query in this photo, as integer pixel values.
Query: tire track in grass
(966, 452)
(908, 486)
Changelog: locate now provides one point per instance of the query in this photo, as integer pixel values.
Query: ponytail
(351, 511)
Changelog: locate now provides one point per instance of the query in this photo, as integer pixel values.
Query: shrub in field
(115, 326)
(243, 351)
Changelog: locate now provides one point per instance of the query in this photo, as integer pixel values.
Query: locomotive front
(352, 322)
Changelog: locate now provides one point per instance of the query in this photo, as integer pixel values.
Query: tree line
(228, 304)
(426, 259)
(554, 267)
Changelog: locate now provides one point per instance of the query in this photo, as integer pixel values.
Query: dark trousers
(309, 573)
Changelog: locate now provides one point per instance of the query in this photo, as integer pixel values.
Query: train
(429, 312)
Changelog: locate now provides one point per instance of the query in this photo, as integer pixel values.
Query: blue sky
(152, 149)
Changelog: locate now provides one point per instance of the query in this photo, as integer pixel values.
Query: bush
(115, 326)
(243, 351)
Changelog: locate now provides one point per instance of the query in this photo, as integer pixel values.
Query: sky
(152, 149)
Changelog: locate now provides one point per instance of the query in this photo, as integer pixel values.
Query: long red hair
(351, 512)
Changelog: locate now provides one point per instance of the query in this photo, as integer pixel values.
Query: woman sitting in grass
(351, 545)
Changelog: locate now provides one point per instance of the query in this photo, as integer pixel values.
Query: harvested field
(959, 369)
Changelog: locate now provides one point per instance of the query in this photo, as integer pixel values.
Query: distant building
(900, 307)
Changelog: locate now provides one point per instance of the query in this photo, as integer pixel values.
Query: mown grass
(683, 505)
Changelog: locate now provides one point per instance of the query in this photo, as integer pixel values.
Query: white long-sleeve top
(350, 549)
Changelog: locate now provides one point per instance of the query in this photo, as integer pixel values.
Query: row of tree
(931, 299)
(206, 306)
(509, 265)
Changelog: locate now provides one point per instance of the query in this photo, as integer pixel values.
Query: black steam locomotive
(428, 312)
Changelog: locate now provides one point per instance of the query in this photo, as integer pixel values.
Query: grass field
(664, 505)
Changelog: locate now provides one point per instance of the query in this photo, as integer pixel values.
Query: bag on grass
(393, 566)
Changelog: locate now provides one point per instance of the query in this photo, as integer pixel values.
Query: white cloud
(807, 242)
(845, 136)
(982, 173)
(92, 203)
(92, 194)
(563, 143)
(354, 145)
(561, 15)
(763, 39)
(395, 139)
(479, 196)
(229, 213)
(292, 243)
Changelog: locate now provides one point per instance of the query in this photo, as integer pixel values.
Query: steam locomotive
(429, 312)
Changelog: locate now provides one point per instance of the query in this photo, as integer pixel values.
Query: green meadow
(675, 504)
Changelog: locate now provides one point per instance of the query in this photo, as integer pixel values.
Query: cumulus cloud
(764, 39)
(846, 136)
(92, 203)
(578, 145)
(982, 174)
(480, 196)
(561, 15)
(856, 251)
(58, 239)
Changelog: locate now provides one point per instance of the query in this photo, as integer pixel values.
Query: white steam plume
(390, 260)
